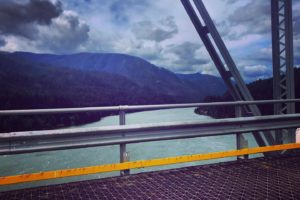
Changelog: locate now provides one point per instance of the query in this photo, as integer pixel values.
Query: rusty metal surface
(263, 178)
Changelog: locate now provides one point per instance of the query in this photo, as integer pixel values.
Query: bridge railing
(125, 108)
(35, 141)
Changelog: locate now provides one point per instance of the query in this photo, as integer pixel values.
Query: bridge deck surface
(263, 178)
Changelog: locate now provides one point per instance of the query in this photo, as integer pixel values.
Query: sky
(157, 31)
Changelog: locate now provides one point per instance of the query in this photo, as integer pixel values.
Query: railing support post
(241, 142)
(123, 154)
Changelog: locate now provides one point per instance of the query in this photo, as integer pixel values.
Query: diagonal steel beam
(203, 33)
(240, 91)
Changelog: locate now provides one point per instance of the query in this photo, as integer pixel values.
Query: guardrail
(139, 107)
(33, 141)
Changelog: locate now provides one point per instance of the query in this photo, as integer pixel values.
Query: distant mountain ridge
(157, 80)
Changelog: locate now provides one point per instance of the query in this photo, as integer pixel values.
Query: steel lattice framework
(224, 63)
(282, 56)
(283, 70)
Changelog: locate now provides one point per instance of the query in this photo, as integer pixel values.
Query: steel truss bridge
(268, 131)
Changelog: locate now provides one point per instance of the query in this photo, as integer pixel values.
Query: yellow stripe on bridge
(139, 164)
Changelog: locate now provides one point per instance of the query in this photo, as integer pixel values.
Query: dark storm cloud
(45, 24)
(20, 19)
(186, 54)
(146, 30)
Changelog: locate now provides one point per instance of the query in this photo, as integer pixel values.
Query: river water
(54, 160)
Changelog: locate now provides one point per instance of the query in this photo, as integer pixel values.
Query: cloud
(255, 16)
(247, 23)
(2, 42)
(186, 54)
(164, 29)
(297, 52)
(65, 34)
(262, 55)
(121, 10)
(297, 24)
(158, 31)
(254, 72)
(231, 1)
(296, 18)
(151, 51)
(20, 19)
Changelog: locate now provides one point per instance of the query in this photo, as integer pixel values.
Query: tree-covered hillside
(260, 90)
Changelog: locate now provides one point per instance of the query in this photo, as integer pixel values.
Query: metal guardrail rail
(139, 107)
(34, 141)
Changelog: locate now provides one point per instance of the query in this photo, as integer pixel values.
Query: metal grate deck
(262, 178)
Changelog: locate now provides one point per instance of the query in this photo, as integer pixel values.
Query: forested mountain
(50, 81)
(156, 79)
(260, 90)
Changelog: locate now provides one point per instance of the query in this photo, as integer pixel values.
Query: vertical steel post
(283, 69)
(241, 142)
(123, 153)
